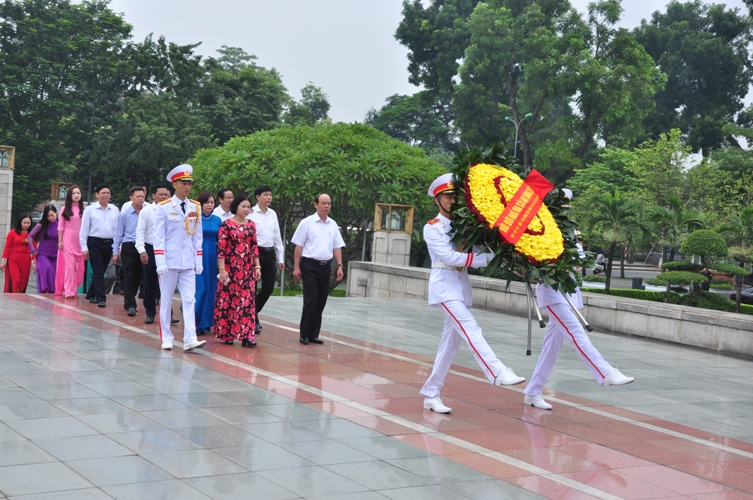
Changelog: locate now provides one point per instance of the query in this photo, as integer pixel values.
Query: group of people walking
(51, 249)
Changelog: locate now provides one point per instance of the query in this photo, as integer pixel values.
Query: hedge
(707, 300)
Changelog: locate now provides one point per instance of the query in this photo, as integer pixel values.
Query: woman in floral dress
(238, 262)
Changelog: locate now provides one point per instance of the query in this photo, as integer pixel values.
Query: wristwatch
(339, 265)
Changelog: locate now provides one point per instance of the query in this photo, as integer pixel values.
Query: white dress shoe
(167, 346)
(436, 404)
(196, 344)
(508, 377)
(537, 401)
(616, 377)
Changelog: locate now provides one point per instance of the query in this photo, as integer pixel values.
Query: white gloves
(199, 269)
(161, 269)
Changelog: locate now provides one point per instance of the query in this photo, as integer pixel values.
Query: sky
(346, 47)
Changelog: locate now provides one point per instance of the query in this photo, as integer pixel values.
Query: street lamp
(517, 125)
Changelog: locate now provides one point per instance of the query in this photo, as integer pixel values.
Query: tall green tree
(704, 51)
(63, 71)
(620, 223)
(674, 222)
(238, 97)
(313, 107)
(418, 120)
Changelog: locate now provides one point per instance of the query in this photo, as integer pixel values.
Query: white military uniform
(450, 289)
(177, 245)
(564, 324)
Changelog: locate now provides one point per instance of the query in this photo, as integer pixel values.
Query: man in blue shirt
(124, 248)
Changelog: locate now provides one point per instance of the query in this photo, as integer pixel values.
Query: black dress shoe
(149, 320)
(93, 300)
(257, 330)
(174, 320)
(200, 332)
(132, 311)
(248, 343)
(316, 341)
(101, 304)
(303, 341)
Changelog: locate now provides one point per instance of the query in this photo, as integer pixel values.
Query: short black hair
(20, 219)
(136, 188)
(100, 187)
(261, 190)
(204, 197)
(221, 193)
(239, 198)
(159, 186)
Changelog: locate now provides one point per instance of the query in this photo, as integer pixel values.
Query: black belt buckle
(323, 262)
(266, 249)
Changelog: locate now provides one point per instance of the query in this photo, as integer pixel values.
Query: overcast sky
(346, 47)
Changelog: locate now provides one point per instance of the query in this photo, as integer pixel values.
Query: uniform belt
(442, 265)
(266, 249)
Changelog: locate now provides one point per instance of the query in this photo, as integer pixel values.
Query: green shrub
(680, 265)
(681, 277)
(730, 269)
(707, 300)
(721, 286)
(596, 279)
(654, 282)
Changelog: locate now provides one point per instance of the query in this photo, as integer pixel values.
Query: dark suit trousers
(151, 282)
(100, 254)
(268, 263)
(315, 291)
(132, 270)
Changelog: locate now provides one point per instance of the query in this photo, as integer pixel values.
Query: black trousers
(132, 270)
(268, 263)
(100, 254)
(151, 282)
(315, 277)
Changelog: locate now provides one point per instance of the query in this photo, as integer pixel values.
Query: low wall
(715, 330)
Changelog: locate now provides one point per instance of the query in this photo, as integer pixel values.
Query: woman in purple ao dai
(45, 234)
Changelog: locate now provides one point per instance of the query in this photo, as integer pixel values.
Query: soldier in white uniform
(450, 289)
(564, 324)
(177, 253)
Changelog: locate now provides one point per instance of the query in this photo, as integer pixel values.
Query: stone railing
(719, 331)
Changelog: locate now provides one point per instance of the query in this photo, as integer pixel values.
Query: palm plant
(675, 222)
(619, 224)
(739, 229)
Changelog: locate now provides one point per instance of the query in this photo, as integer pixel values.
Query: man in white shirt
(271, 251)
(145, 247)
(98, 227)
(224, 199)
(317, 240)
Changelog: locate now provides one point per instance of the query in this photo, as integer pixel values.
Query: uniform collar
(445, 220)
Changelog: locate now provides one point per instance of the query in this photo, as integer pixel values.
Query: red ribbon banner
(523, 207)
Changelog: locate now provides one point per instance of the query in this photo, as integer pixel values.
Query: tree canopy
(357, 165)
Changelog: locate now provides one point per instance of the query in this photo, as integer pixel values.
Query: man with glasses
(224, 199)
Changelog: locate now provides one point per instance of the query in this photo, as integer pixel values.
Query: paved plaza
(90, 409)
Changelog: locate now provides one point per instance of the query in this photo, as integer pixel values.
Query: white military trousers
(563, 324)
(459, 325)
(185, 279)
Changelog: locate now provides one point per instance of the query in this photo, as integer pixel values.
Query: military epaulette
(164, 201)
(433, 221)
(194, 201)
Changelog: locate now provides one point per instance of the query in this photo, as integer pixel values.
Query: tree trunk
(739, 290)
(622, 263)
(672, 254)
(608, 270)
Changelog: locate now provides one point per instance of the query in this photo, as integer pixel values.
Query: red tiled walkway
(579, 450)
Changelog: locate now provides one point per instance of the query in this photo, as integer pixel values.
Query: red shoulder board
(433, 221)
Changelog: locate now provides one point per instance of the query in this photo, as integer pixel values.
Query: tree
(355, 164)
(312, 109)
(416, 120)
(675, 222)
(533, 57)
(619, 224)
(150, 136)
(63, 70)
(238, 97)
(704, 51)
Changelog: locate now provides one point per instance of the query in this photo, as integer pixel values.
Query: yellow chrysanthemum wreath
(488, 190)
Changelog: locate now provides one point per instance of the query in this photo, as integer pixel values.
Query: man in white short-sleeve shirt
(317, 241)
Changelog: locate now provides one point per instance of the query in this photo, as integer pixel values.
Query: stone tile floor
(90, 408)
